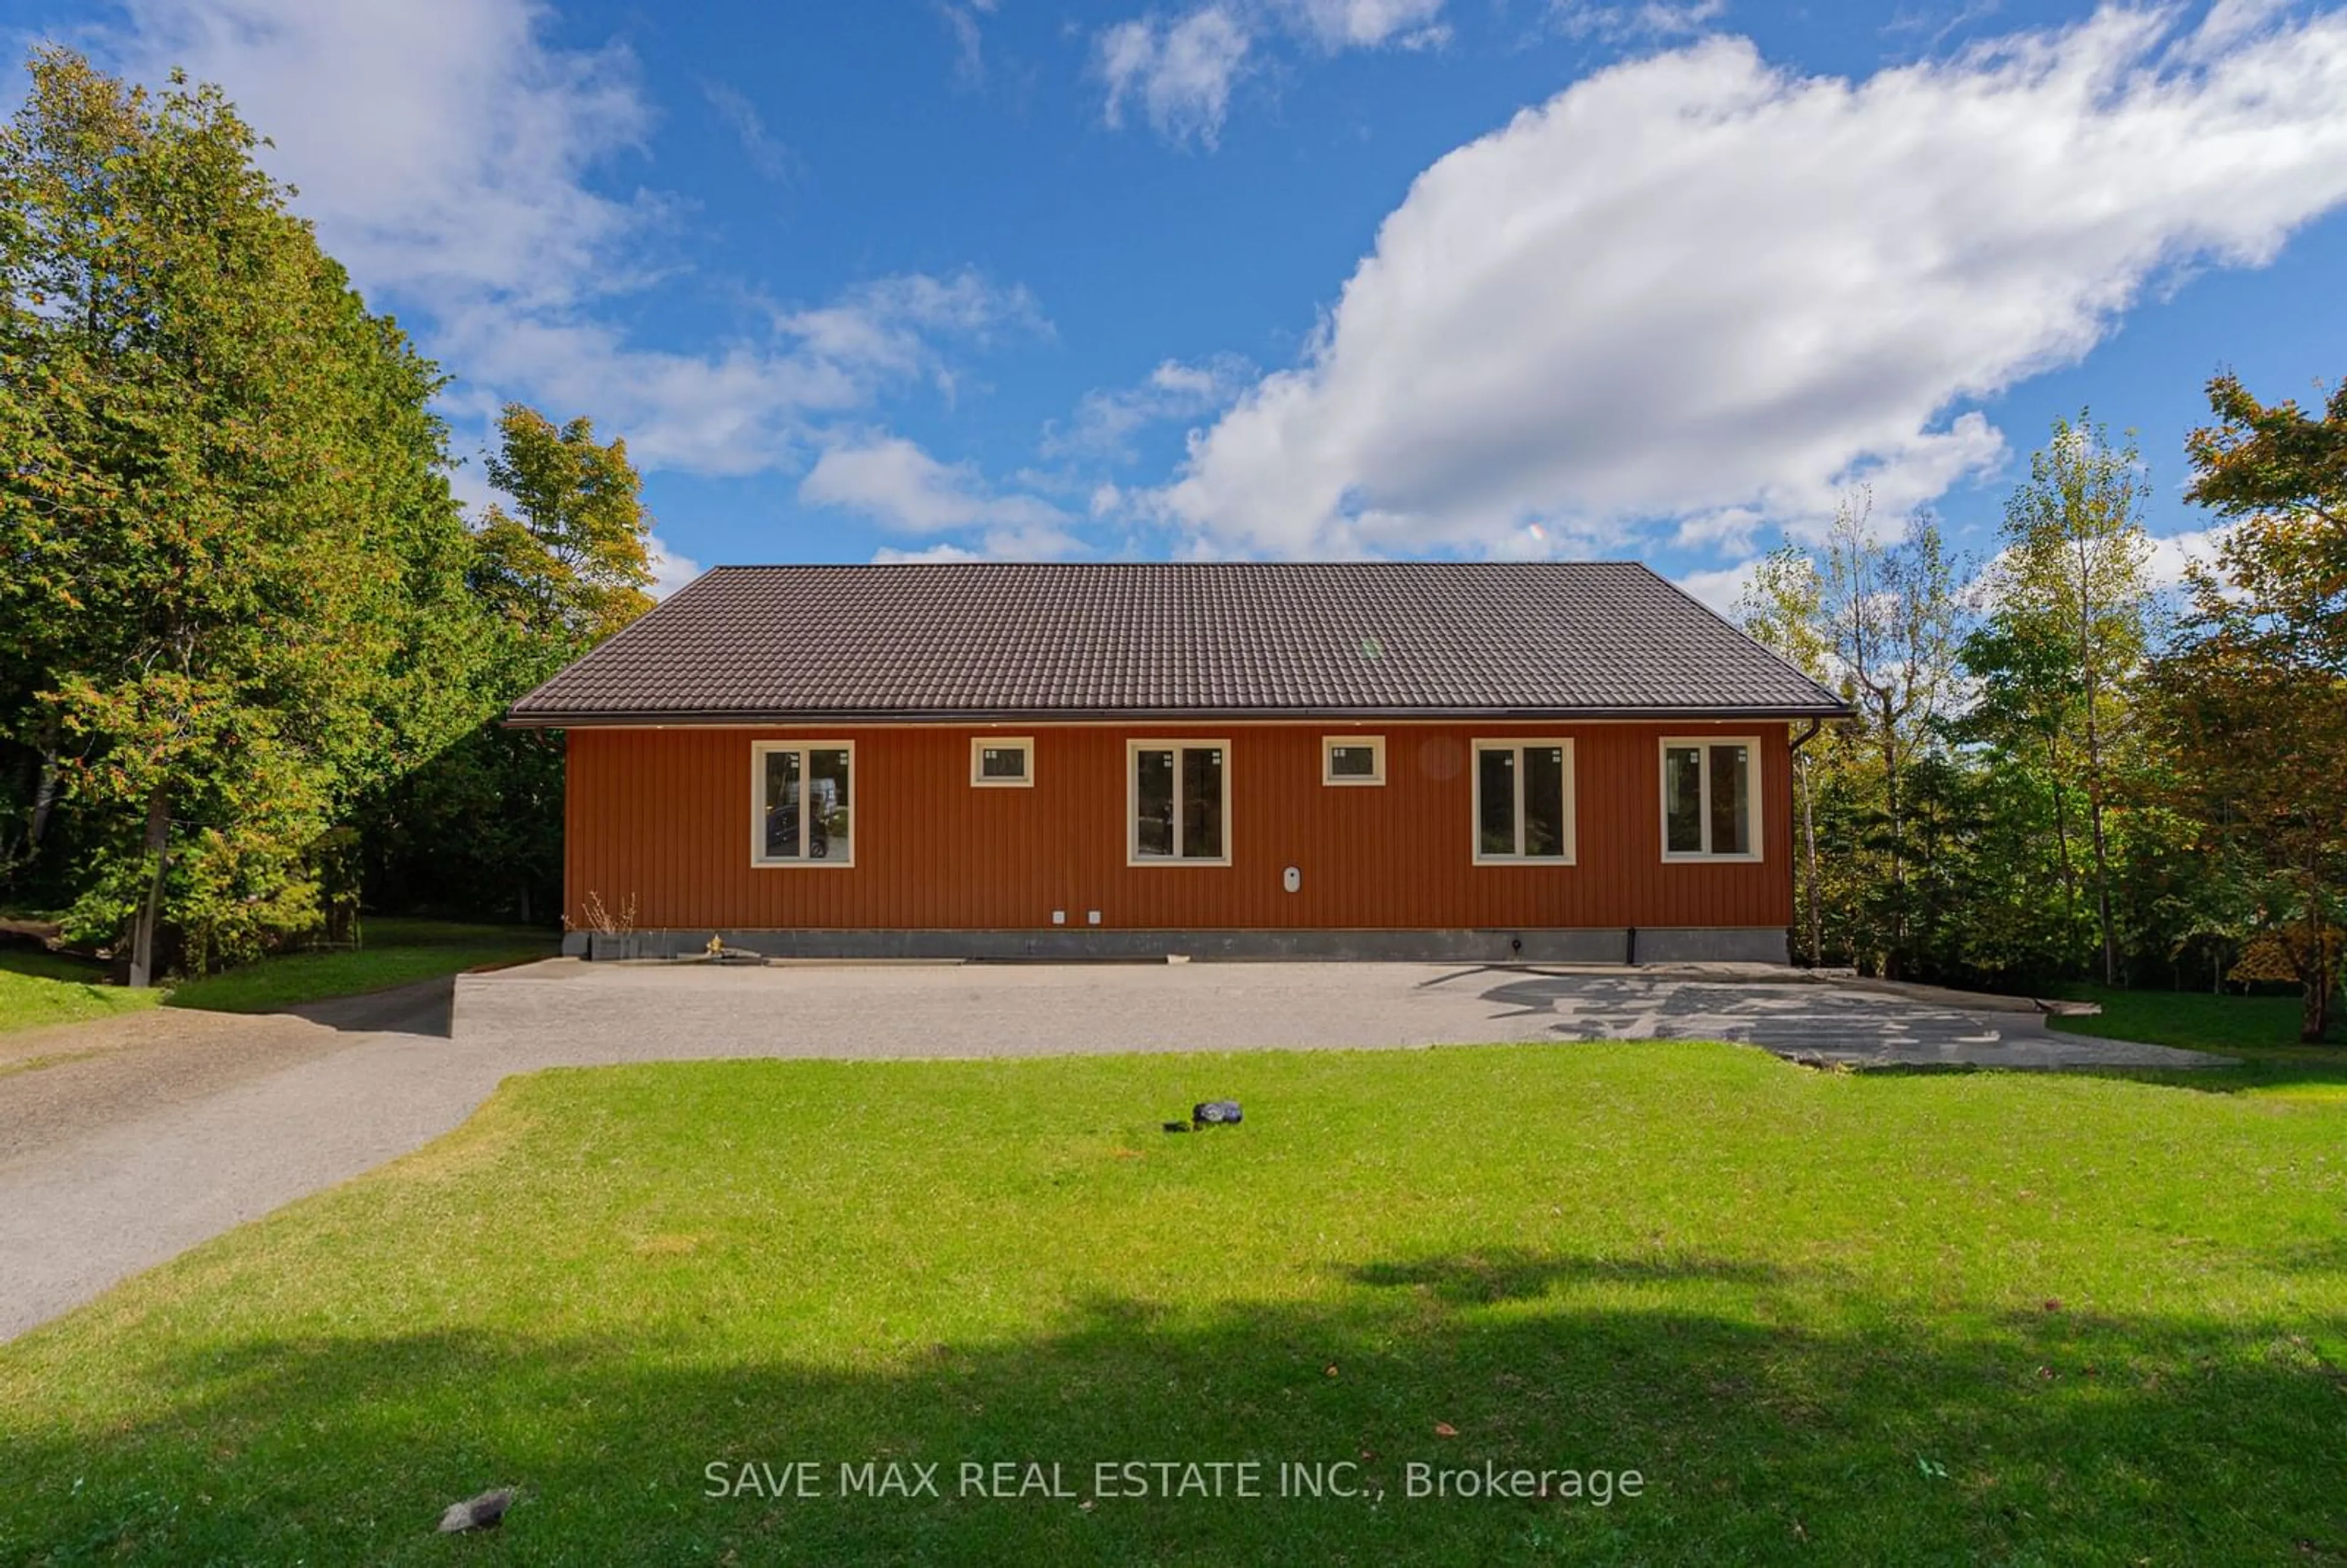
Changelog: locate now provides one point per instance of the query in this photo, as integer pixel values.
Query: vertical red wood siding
(663, 816)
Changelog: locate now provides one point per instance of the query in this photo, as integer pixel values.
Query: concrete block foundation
(1536, 945)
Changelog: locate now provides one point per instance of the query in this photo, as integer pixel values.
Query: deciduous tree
(559, 564)
(1782, 608)
(1893, 624)
(2068, 629)
(226, 513)
(569, 561)
(2255, 693)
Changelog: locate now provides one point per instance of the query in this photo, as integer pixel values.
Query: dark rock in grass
(1214, 1113)
(485, 1511)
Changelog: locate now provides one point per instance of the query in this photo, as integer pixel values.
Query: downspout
(1805, 736)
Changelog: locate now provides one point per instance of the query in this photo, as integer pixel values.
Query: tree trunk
(2101, 851)
(1898, 844)
(1809, 840)
(143, 928)
(45, 793)
(2318, 974)
(2086, 674)
(2062, 831)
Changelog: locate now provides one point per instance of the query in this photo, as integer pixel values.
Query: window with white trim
(1352, 759)
(1523, 802)
(801, 803)
(1711, 797)
(1177, 803)
(1001, 762)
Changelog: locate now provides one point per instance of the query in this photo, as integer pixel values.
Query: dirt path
(127, 1140)
(65, 1082)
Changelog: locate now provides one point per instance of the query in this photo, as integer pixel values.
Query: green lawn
(395, 952)
(2261, 1031)
(2199, 1021)
(1829, 1317)
(41, 988)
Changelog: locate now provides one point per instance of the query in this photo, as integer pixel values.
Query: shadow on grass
(2042, 1439)
(1519, 1275)
(2322, 1070)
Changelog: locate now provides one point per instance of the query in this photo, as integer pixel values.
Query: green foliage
(2254, 693)
(229, 527)
(478, 829)
(568, 564)
(253, 654)
(1781, 607)
(2023, 797)
(2066, 629)
(1889, 622)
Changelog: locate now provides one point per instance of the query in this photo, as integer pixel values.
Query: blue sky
(1311, 278)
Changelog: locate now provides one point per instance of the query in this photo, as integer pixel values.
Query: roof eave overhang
(800, 719)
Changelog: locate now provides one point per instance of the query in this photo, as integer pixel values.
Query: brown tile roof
(981, 640)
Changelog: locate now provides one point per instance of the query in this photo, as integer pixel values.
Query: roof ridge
(769, 644)
(1157, 565)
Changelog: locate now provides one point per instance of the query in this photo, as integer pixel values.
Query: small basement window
(1003, 762)
(1711, 798)
(800, 803)
(1177, 803)
(1523, 802)
(1353, 759)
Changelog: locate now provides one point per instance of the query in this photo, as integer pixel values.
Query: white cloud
(1106, 421)
(450, 155)
(970, 40)
(891, 324)
(768, 153)
(670, 571)
(1652, 19)
(1721, 588)
(1363, 24)
(997, 544)
(1691, 284)
(896, 484)
(1723, 528)
(1182, 71)
(2171, 553)
(755, 404)
(438, 144)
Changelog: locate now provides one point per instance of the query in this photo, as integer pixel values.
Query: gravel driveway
(126, 1141)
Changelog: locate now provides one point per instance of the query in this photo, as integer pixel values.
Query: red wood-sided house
(1546, 761)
